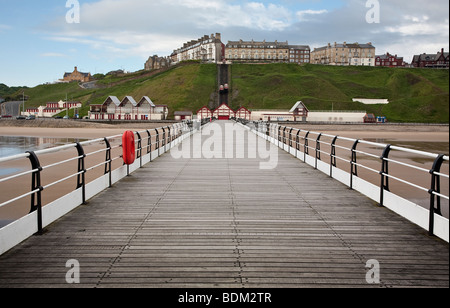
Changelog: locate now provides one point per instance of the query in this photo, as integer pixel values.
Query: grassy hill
(416, 95)
(9, 92)
(183, 87)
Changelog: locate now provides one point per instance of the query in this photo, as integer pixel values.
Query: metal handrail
(175, 131)
(311, 144)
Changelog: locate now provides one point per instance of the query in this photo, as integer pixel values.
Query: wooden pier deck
(191, 223)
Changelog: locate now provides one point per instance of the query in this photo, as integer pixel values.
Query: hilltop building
(344, 54)
(77, 76)
(437, 60)
(253, 51)
(156, 63)
(389, 60)
(207, 49)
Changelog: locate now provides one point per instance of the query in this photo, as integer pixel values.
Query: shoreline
(9, 126)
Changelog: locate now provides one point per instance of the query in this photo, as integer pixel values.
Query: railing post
(333, 160)
(297, 140)
(36, 198)
(108, 162)
(435, 187)
(353, 166)
(81, 178)
(157, 139)
(163, 138)
(318, 157)
(290, 137)
(284, 135)
(149, 143)
(306, 147)
(169, 136)
(384, 171)
(139, 148)
(279, 135)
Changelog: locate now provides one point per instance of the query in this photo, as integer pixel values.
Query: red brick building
(389, 60)
(438, 60)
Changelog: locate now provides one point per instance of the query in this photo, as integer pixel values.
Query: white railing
(373, 169)
(106, 167)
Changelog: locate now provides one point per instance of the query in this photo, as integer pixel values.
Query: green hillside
(416, 95)
(9, 92)
(184, 87)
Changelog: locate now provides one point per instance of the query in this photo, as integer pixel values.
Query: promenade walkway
(226, 223)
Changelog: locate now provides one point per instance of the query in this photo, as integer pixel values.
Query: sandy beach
(71, 129)
(88, 130)
(431, 138)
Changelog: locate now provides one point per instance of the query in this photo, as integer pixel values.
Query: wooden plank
(191, 223)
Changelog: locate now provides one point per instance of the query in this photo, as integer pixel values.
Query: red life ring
(129, 149)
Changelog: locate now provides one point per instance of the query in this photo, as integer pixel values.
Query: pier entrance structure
(224, 113)
(232, 224)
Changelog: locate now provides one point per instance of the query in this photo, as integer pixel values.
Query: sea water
(10, 146)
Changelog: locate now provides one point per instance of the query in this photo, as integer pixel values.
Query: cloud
(53, 55)
(4, 27)
(419, 25)
(140, 28)
(306, 14)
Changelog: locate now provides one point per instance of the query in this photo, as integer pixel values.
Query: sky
(41, 40)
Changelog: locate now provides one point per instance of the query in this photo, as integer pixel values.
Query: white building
(128, 109)
(300, 113)
(51, 109)
(206, 49)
